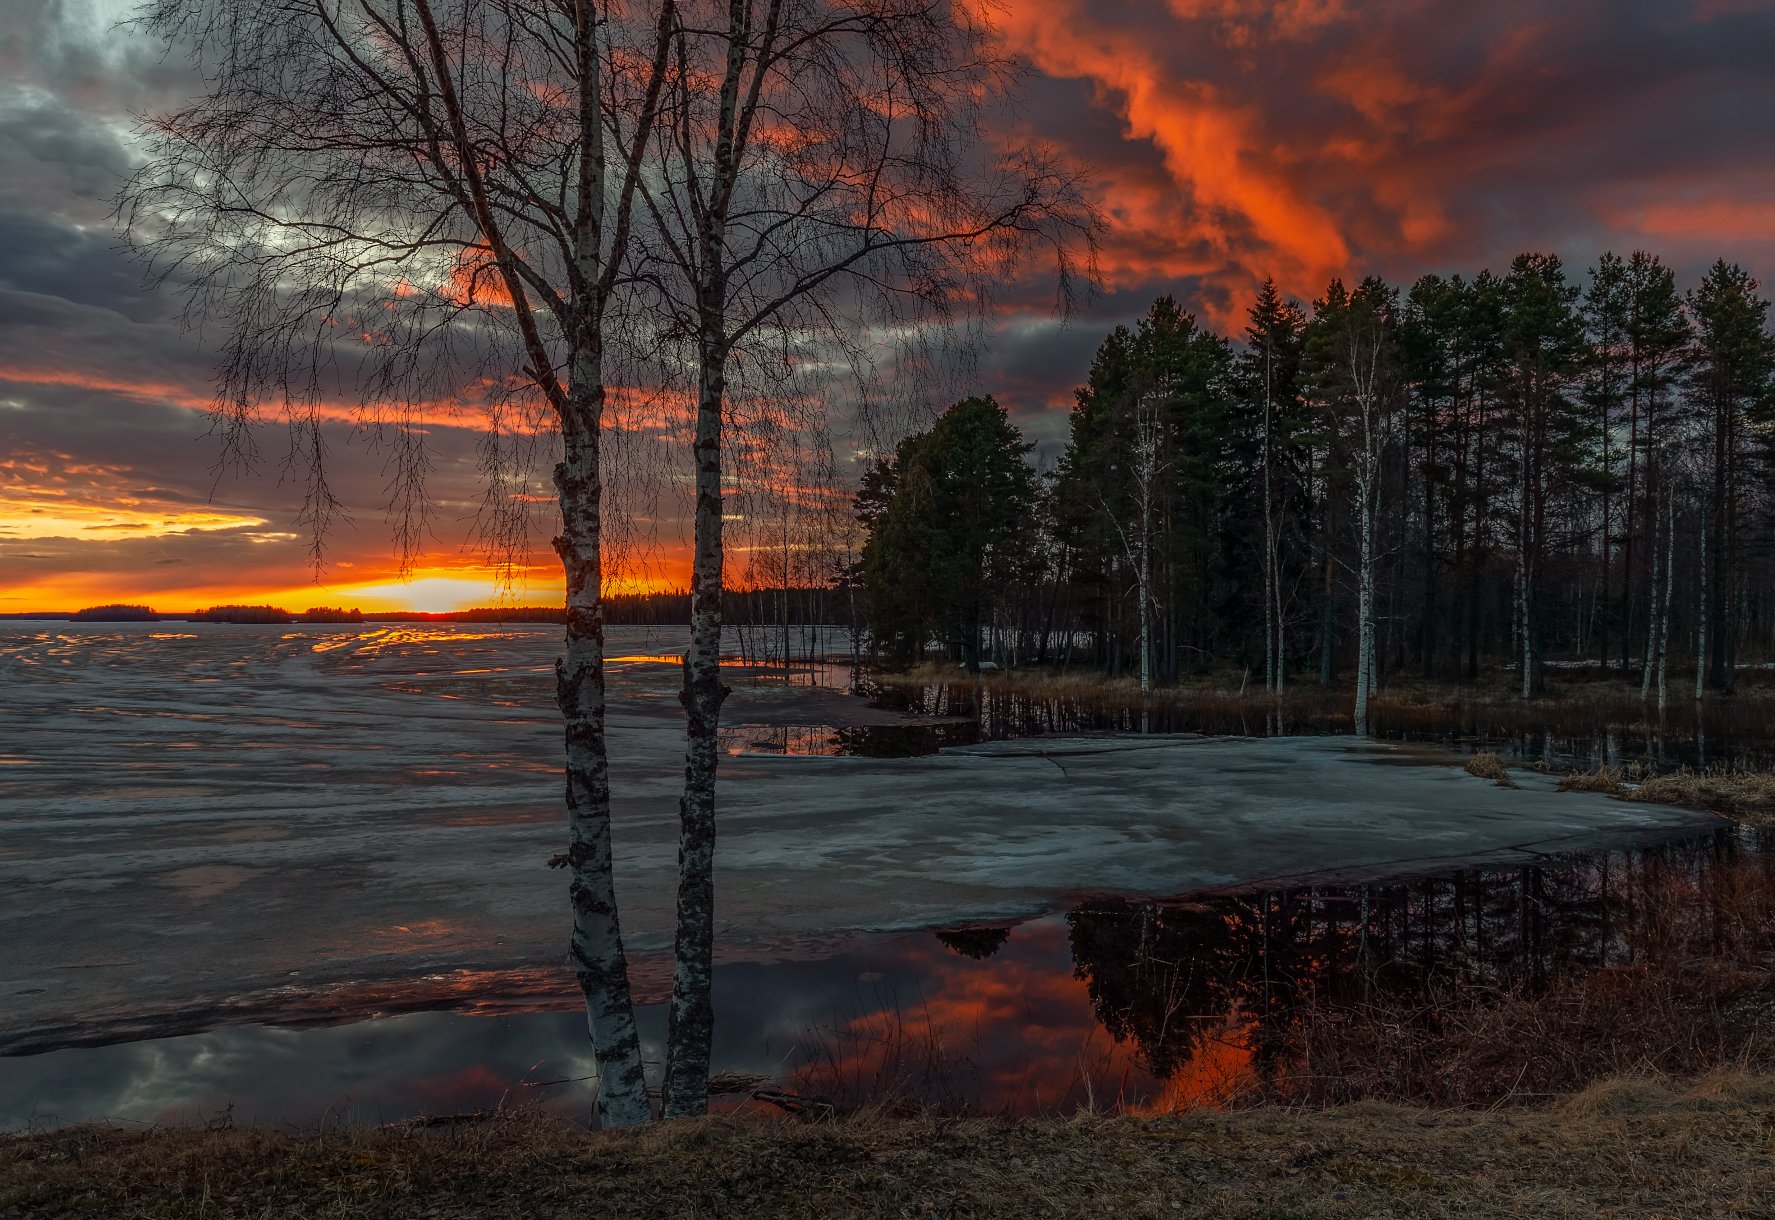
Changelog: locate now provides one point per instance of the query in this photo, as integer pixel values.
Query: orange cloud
(1716, 219)
(1228, 191)
(442, 412)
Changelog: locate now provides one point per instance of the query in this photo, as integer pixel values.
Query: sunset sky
(1229, 139)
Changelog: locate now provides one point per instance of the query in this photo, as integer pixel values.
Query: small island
(116, 613)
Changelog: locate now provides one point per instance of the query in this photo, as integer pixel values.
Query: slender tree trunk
(1328, 599)
(1628, 532)
(785, 597)
(1602, 633)
(596, 946)
(1716, 574)
(691, 1028)
(1524, 651)
(1269, 542)
(1281, 630)
(1365, 603)
(1146, 631)
(1652, 615)
(1664, 618)
(1701, 618)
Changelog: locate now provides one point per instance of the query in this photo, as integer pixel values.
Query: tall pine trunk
(1271, 669)
(1664, 616)
(1654, 593)
(1701, 618)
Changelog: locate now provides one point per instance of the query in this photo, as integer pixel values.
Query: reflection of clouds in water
(1140, 1006)
(371, 1071)
(377, 1071)
(1014, 1027)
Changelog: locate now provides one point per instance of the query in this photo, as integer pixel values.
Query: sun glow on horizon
(428, 591)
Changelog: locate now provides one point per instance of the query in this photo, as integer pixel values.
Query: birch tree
(429, 195)
(1352, 344)
(1146, 447)
(821, 190)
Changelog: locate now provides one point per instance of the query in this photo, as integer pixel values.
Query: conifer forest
(1551, 466)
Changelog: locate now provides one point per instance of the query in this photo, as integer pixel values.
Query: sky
(1227, 141)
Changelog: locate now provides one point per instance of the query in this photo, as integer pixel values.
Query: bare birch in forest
(1365, 375)
(1352, 346)
(1146, 444)
(821, 191)
(394, 202)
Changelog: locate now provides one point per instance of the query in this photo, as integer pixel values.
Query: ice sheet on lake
(204, 822)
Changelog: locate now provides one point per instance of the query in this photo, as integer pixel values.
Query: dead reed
(1634, 1147)
(1487, 765)
(1745, 794)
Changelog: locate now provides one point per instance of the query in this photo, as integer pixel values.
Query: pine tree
(1729, 393)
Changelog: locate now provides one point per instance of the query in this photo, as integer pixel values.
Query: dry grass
(1745, 794)
(1627, 1148)
(1487, 765)
(1464, 1046)
(1604, 779)
(1578, 704)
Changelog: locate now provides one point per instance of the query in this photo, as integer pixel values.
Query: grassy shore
(1577, 702)
(1744, 794)
(1622, 1148)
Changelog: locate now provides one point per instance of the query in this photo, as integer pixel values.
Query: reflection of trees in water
(977, 943)
(1559, 732)
(1168, 976)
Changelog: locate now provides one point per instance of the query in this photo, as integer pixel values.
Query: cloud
(1229, 140)
(1307, 139)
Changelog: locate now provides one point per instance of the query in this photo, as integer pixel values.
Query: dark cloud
(1228, 140)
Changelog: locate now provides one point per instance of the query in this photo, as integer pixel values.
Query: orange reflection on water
(403, 636)
(1006, 1035)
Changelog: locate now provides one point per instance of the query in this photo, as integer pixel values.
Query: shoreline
(1636, 1147)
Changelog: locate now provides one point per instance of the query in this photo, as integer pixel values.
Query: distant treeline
(767, 606)
(274, 614)
(116, 613)
(756, 606)
(1501, 469)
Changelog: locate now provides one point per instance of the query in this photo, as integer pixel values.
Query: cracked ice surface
(203, 823)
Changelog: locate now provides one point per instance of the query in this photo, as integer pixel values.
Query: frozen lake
(204, 825)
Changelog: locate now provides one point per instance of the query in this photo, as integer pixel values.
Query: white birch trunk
(1146, 643)
(1367, 491)
(1365, 615)
(691, 1025)
(596, 946)
(692, 1021)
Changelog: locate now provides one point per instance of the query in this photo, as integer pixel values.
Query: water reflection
(864, 741)
(1611, 725)
(1114, 1004)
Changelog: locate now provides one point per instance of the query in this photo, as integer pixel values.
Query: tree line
(1469, 473)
